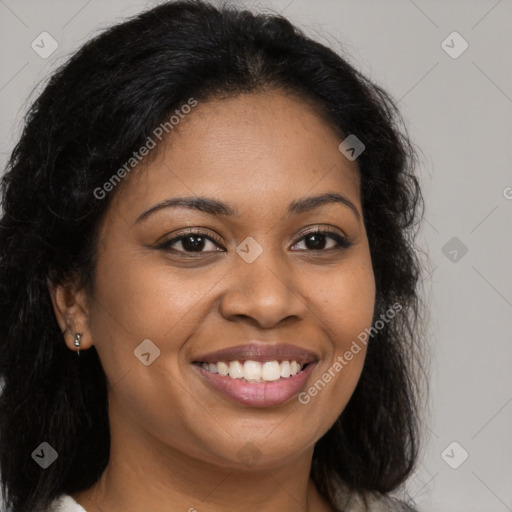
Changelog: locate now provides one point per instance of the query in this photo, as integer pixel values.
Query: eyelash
(343, 242)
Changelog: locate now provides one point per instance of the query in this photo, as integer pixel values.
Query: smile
(255, 371)
(257, 374)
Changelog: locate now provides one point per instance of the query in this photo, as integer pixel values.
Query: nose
(266, 292)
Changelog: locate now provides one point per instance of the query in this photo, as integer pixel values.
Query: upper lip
(259, 352)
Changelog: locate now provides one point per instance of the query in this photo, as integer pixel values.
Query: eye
(318, 240)
(191, 242)
(199, 242)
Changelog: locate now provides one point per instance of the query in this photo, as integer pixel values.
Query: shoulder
(65, 503)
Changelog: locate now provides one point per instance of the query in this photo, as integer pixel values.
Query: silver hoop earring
(78, 337)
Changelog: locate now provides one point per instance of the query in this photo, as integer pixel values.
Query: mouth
(255, 371)
(257, 375)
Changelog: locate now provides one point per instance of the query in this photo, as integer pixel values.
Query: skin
(174, 439)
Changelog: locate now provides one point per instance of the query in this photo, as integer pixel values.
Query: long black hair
(96, 110)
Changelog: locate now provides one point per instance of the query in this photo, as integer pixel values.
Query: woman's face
(255, 285)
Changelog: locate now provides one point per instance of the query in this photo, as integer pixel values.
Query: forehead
(256, 149)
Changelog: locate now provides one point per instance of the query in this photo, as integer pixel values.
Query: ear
(71, 309)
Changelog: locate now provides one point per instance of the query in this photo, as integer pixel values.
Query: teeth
(236, 370)
(285, 369)
(294, 367)
(223, 368)
(254, 371)
(270, 371)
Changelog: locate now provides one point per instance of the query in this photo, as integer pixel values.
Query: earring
(78, 337)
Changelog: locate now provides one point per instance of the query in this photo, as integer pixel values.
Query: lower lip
(258, 394)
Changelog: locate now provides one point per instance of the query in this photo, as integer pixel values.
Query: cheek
(143, 300)
(137, 299)
(347, 301)
(346, 311)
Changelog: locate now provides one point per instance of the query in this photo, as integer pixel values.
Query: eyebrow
(217, 208)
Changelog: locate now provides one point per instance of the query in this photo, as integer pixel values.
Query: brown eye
(323, 240)
(190, 243)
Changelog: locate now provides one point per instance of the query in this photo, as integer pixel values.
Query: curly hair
(94, 112)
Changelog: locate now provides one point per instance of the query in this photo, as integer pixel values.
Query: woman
(208, 298)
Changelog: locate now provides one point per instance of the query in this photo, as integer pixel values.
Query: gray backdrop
(448, 63)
